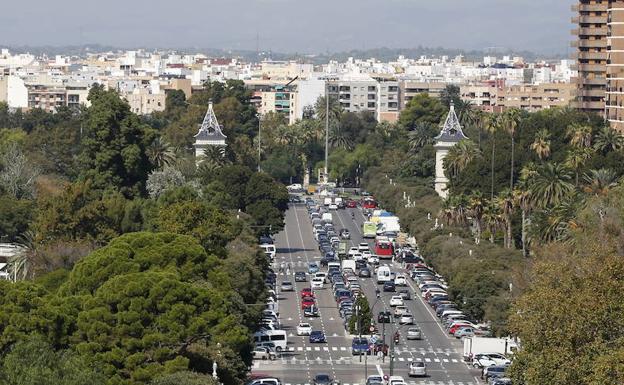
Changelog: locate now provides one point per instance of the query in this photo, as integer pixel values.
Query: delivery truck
(477, 345)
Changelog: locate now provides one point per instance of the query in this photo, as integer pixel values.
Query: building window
(371, 105)
(371, 97)
(372, 88)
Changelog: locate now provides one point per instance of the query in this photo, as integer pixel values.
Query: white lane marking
(334, 348)
(401, 359)
(299, 348)
(436, 360)
(308, 348)
(317, 348)
(445, 360)
(427, 359)
(325, 349)
(379, 371)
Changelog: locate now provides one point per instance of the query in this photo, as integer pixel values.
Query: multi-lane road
(296, 246)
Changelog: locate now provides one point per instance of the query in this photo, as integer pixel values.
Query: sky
(291, 26)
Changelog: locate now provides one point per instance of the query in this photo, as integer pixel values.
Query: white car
(352, 251)
(363, 246)
(396, 300)
(317, 283)
(400, 280)
(373, 260)
(294, 187)
(400, 310)
(406, 319)
(304, 329)
(483, 360)
(357, 257)
(417, 368)
(264, 353)
(396, 380)
(333, 206)
(321, 274)
(366, 254)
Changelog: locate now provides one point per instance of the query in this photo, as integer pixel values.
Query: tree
(580, 135)
(576, 159)
(522, 199)
(160, 181)
(421, 109)
(541, 144)
(505, 203)
(33, 361)
(599, 182)
(493, 125)
(550, 185)
(361, 323)
(450, 94)
(18, 176)
(607, 139)
(321, 107)
(15, 217)
(115, 144)
(476, 206)
(510, 123)
(340, 139)
(459, 156)
(421, 136)
(160, 153)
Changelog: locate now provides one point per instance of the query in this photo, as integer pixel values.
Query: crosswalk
(420, 382)
(347, 360)
(397, 350)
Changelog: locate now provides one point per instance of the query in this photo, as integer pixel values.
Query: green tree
(459, 156)
(580, 135)
(551, 185)
(421, 109)
(450, 94)
(510, 122)
(160, 153)
(361, 323)
(115, 144)
(321, 107)
(541, 144)
(607, 139)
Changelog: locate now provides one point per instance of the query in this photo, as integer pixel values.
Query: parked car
(414, 333)
(494, 371)
(317, 336)
(501, 381)
(464, 331)
(304, 329)
(417, 368)
(264, 353)
(482, 360)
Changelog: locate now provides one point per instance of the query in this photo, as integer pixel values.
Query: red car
(457, 326)
(351, 204)
(307, 292)
(307, 302)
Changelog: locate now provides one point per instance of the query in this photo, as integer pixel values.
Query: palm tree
(160, 153)
(493, 124)
(608, 139)
(599, 182)
(340, 139)
(576, 160)
(510, 123)
(505, 203)
(420, 136)
(522, 198)
(460, 209)
(541, 144)
(334, 108)
(580, 135)
(215, 156)
(459, 156)
(476, 205)
(491, 219)
(550, 185)
(528, 171)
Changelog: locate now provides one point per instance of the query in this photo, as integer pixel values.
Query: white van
(328, 218)
(383, 274)
(269, 250)
(327, 201)
(278, 337)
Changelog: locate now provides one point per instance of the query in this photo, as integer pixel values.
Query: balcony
(589, 55)
(589, 7)
(599, 106)
(587, 43)
(591, 93)
(587, 19)
(592, 67)
(593, 81)
(590, 31)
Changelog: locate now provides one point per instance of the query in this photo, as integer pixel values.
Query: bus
(369, 230)
(384, 249)
(278, 337)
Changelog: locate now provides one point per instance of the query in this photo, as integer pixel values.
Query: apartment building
(411, 88)
(614, 104)
(591, 53)
(535, 97)
(360, 92)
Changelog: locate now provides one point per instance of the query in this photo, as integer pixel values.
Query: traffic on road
(323, 262)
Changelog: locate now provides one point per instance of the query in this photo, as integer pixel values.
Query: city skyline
(277, 25)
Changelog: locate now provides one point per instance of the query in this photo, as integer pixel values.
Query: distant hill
(383, 54)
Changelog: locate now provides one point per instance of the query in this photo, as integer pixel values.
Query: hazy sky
(291, 25)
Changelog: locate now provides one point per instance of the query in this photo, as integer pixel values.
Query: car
(363, 246)
(417, 368)
(307, 301)
(317, 336)
(263, 353)
(333, 206)
(300, 276)
(384, 317)
(317, 283)
(501, 381)
(482, 360)
(396, 300)
(374, 380)
(494, 371)
(400, 280)
(352, 251)
(265, 381)
(345, 234)
(366, 254)
(399, 311)
(357, 257)
(294, 187)
(322, 379)
(464, 331)
(304, 329)
(310, 311)
(456, 325)
(414, 333)
(396, 380)
(359, 346)
(351, 204)
(313, 268)
(406, 319)
(405, 294)
(389, 287)
(364, 273)
(307, 292)
(287, 286)
(373, 260)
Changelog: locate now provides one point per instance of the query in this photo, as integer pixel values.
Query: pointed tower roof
(210, 130)
(452, 130)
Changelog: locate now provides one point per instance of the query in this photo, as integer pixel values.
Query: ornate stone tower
(450, 135)
(209, 134)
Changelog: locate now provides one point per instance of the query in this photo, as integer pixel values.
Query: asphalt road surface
(296, 246)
